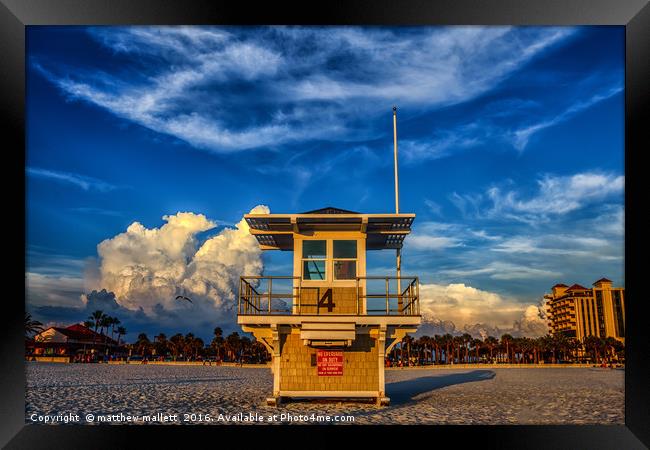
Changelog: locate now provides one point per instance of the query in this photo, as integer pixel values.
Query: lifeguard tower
(329, 326)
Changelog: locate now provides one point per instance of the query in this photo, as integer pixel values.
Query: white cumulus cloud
(461, 308)
(146, 268)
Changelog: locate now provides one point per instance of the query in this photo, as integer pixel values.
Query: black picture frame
(15, 15)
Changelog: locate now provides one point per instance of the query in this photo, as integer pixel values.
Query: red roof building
(68, 342)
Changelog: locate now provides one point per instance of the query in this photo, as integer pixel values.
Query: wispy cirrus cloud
(434, 236)
(571, 245)
(521, 136)
(490, 129)
(555, 195)
(498, 270)
(84, 182)
(322, 82)
(433, 207)
(443, 143)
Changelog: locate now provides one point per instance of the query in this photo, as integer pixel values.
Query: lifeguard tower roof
(276, 231)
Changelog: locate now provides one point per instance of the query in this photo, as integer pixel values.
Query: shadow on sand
(402, 392)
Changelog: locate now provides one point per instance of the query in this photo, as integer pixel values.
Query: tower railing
(252, 301)
(283, 295)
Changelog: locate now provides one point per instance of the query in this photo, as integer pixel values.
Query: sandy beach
(418, 396)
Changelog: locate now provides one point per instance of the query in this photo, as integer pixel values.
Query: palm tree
(246, 345)
(478, 344)
(437, 344)
(506, 340)
(233, 344)
(526, 348)
(105, 322)
(491, 343)
(114, 323)
(562, 343)
(217, 342)
(408, 340)
(197, 346)
(96, 318)
(121, 331)
(596, 345)
(189, 343)
(32, 326)
(612, 345)
(259, 351)
(457, 342)
(177, 342)
(143, 344)
(615, 346)
(448, 340)
(466, 340)
(574, 346)
(160, 344)
(426, 344)
(534, 349)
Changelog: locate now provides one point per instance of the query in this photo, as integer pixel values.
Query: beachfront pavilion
(64, 344)
(329, 326)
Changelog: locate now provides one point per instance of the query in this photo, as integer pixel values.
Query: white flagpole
(398, 251)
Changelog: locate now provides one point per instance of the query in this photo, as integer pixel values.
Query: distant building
(579, 312)
(69, 342)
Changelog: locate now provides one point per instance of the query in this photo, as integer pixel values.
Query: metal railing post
(270, 286)
(239, 297)
(414, 299)
(417, 286)
(249, 289)
(387, 302)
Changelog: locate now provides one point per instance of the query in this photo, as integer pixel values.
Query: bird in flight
(182, 297)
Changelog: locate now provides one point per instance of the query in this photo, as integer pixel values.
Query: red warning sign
(330, 363)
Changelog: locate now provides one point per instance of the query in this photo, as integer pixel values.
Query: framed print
(403, 216)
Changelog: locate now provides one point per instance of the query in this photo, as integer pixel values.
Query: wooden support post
(276, 361)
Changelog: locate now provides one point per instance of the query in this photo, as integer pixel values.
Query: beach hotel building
(329, 326)
(579, 312)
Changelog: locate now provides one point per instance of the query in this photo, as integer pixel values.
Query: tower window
(318, 258)
(314, 258)
(345, 260)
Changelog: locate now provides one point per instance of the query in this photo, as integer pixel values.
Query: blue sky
(511, 154)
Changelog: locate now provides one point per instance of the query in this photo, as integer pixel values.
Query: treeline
(179, 347)
(448, 349)
(439, 349)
